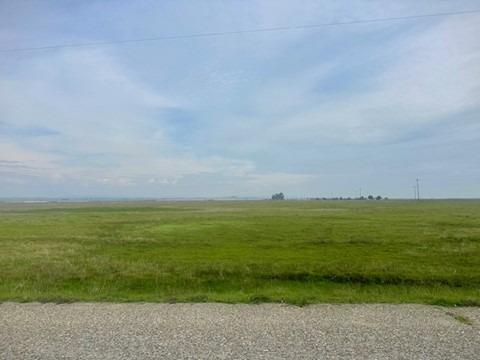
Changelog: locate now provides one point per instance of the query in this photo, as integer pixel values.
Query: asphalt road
(219, 331)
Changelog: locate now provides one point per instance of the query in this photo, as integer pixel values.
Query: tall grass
(286, 251)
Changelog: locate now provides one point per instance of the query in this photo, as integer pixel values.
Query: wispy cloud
(304, 112)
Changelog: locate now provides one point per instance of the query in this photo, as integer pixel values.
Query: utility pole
(414, 192)
(360, 192)
(418, 190)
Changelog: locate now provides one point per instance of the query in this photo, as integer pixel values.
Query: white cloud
(257, 100)
(435, 75)
(104, 129)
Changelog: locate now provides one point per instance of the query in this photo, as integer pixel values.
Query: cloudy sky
(316, 112)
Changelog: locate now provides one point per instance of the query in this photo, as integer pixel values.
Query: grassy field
(259, 251)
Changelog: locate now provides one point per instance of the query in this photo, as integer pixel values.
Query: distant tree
(278, 196)
(378, 197)
(370, 197)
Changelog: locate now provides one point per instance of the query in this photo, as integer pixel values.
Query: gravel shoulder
(222, 331)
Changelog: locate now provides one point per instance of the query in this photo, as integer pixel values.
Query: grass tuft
(460, 318)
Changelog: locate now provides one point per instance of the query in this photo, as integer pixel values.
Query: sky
(324, 111)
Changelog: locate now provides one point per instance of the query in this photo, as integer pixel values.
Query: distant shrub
(278, 196)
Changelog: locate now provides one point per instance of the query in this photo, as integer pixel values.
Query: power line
(236, 32)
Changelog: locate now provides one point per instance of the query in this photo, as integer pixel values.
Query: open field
(259, 251)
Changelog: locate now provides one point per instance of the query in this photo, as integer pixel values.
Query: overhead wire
(237, 32)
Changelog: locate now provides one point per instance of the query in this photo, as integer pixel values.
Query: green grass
(463, 319)
(260, 251)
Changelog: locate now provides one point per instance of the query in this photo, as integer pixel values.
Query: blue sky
(318, 112)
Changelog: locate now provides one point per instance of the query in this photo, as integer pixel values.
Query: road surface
(220, 331)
